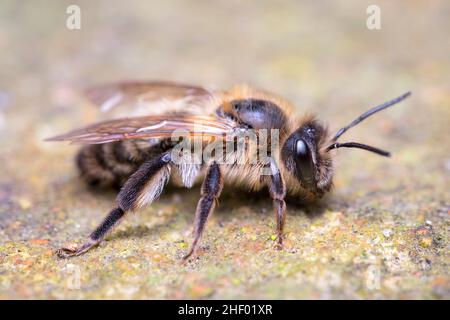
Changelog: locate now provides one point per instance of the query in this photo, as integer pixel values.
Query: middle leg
(277, 190)
(210, 192)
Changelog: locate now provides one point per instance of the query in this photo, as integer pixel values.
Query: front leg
(144, 186)
(210, 192)
(277, 190)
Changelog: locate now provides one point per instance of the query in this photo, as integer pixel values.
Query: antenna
(370, 112)
(380, 152)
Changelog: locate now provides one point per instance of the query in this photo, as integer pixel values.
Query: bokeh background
(382, 233)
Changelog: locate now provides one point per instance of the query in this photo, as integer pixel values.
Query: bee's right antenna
(369, 113)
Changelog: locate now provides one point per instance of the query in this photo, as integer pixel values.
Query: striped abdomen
(110, 164)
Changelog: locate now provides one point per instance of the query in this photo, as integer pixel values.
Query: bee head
(305, 157)
(306, 151)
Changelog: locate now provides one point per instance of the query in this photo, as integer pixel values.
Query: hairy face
(306, 159)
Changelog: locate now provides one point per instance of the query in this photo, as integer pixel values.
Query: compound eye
(301, 149)
(305, 166)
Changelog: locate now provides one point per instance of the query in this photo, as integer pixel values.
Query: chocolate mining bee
(140, 154)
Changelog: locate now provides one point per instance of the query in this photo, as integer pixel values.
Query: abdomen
(110, 164)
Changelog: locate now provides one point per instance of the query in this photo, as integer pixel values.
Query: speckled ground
(383, 232)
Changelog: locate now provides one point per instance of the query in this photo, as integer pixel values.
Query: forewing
(148, 127)
(150, 98)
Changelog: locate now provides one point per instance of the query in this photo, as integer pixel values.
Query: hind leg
(144, 186)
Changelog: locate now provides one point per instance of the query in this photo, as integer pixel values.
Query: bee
(139, 154)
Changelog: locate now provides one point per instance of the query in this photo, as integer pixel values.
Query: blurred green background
(382, 233)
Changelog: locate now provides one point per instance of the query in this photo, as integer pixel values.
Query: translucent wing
(148, 127)
(152, 97)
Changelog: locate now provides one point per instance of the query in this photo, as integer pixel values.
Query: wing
(148, 127)
(152, 97)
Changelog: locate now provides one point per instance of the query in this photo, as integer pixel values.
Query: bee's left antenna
(370, 112)
(378, 151)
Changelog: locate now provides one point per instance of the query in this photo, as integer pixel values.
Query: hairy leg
(277, 190)
(210, 192)
(144, 186)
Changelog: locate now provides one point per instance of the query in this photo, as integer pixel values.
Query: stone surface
(382, 233)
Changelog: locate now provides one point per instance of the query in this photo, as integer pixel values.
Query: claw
(65, 253)
(279, 245)
(189, 254)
